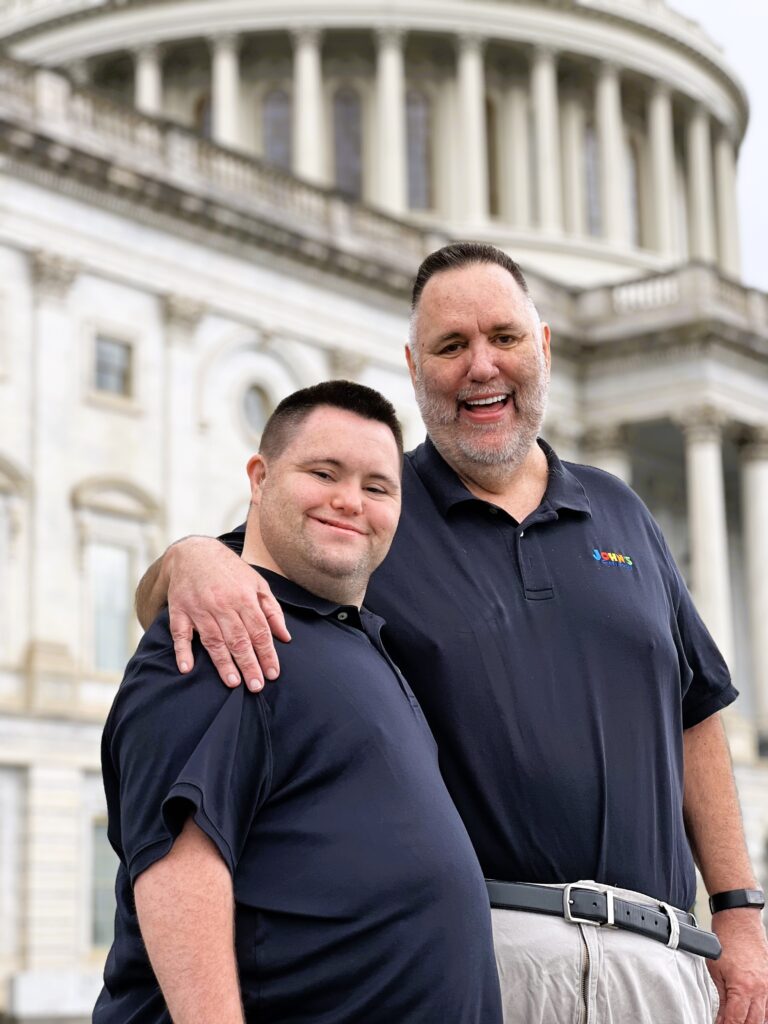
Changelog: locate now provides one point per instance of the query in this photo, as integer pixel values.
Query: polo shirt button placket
(342, 616)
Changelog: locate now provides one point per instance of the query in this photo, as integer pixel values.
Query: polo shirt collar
(563, 491)
(290, 593)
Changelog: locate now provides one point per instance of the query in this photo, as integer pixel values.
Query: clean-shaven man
(293, 855)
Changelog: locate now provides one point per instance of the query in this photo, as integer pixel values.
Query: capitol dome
(595, 139)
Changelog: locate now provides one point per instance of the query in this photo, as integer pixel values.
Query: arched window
(492, 148)
(256, 408)
(592, 182)
(348, 141)
(634, 193)
(418, 115)
(203, 118)
(276, 128)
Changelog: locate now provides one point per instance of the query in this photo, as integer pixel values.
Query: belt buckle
(569, 916)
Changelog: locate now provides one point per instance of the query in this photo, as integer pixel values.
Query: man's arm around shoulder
(185, 906)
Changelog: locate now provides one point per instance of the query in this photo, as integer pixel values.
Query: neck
(518, 490)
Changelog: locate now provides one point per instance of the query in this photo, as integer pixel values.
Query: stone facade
(162, 287)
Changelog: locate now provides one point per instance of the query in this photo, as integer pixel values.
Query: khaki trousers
(555, 972)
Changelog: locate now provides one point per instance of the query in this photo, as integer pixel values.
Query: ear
(257, 474)
(411, 366)
(546, 337)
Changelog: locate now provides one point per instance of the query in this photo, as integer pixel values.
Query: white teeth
(486, 401)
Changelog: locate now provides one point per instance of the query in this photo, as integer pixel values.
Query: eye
(505, 339)
(376, 489)
(451, 348)
(321, 474)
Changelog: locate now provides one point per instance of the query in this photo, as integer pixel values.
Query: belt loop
(674, 925)
(610, 919)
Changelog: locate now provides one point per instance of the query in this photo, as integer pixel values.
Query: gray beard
(465, 451)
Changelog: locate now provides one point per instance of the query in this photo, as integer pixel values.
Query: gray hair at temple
(455, 256)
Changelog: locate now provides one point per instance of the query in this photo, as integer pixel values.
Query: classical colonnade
(546, 103)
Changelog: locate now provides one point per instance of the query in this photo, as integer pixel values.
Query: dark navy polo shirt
(358, 895)
(558, 662)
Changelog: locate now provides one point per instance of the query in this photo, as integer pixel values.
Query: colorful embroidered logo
(612, 558)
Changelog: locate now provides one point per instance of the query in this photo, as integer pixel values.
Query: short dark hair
(464, 254)
(282, 425)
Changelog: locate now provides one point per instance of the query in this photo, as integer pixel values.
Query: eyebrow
(508, 328)
(340, 465)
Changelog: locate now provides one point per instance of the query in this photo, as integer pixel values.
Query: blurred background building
(205, 205)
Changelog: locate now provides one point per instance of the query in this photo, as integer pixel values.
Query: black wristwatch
(754, 898)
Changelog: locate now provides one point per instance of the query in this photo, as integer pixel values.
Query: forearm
(185, 907)
(711, 808)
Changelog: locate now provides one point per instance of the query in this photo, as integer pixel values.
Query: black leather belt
(582, 905)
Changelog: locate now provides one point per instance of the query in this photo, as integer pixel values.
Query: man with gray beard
(569, 681)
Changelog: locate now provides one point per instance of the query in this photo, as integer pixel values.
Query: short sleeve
(180, 746)
(710, 689)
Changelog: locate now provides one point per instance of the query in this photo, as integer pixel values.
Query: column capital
(148, 51)
(608, 69)
(753, 445)
(702, 423)
(182, 313)
(543, 52)
(53, 275)
(307, 35)
(389, 35)
(225, 41)
(606, 437)
(468, 42)
(661, 89)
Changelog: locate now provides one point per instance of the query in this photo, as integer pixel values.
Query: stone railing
(47, 103)
(693, 292)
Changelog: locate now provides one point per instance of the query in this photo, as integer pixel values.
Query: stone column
(390, 111)
(708, 537)
(471, 138)
(181, 317)
(755, 506)
(700, 199)
(517, 157)
(606, 448)
(574, 190)
(727, 206)
(54, 626)
(225, 90)
(148, 80)
(308, 148)
(662, 159)
(546, 119)
(614, 195)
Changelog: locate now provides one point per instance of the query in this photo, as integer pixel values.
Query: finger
(736, 1009)
(757, 1011)
(274, 616)
(241, 648)
(181, 632)
(261, 645)
(217, 648)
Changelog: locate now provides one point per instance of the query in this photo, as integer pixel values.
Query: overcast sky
(741, 28)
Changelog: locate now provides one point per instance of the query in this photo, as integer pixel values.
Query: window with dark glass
(256, 407)
(277, 128)
(418, 116)
(634, 193)
(348, 141)
(492, 149)
(592, 182)
(103, 870)
(113, 370)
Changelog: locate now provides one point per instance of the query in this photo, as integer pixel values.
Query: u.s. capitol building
(205, 205)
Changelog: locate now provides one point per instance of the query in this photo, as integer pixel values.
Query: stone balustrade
(149, 146)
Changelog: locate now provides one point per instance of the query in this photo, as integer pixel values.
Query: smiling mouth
(486, 405)
(347, 527)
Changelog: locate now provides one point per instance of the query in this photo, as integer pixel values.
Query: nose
(482, 366)
(347, 498)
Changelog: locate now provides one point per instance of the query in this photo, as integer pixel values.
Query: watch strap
(733, 898)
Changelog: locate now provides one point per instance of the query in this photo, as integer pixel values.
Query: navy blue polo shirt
(558, 662)
(358, 895)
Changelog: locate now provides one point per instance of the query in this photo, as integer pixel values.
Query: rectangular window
(113, 369)
(111, 595)
(11, 797)
(103, 871)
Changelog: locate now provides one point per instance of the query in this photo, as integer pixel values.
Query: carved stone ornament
(53, 275)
